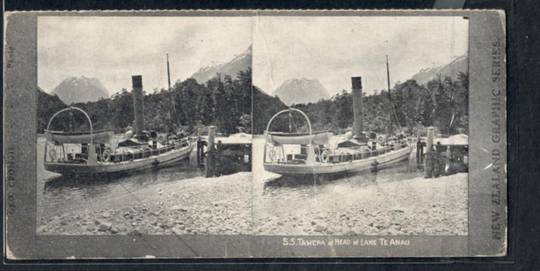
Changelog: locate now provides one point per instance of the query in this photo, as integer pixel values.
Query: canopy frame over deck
(277, 138)
(77, 137)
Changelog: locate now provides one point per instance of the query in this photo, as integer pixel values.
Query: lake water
(56, 194)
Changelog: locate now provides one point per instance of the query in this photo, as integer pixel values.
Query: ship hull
(355, 166)
(153, 162)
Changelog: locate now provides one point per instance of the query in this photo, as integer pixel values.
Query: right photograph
(360, 125)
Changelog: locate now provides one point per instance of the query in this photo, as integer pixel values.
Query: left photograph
(144, 125)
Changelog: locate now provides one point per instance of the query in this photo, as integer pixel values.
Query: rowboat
(323, 153)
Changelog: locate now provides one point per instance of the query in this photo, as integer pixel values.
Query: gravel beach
(407, 207)
(224, 206)
(189, 206)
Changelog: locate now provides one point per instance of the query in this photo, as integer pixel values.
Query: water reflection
(311, 183)
(58, 193)
(288, 181)
(140, 178)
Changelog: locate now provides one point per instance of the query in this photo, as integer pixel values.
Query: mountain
(451, 70)
(296, 91)
(239, 63)
(47, 105)
(80, 89)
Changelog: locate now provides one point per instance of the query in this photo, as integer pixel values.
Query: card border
(20, 71)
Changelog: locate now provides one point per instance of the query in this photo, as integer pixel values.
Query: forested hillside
(226, 102)
(47, 106)
(441, 102)
(222, 101)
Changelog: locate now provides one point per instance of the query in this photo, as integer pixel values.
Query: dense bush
(227, 103)
(441, 102)
(222, 101)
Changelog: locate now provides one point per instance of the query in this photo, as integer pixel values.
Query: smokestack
(357, 106)
(138, 104)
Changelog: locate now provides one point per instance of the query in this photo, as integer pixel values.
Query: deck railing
(336, 158)
(64, 157)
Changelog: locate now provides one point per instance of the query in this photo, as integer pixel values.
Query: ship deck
(320, 168)
(154, 161)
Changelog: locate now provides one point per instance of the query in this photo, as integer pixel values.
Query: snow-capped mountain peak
(238, 63)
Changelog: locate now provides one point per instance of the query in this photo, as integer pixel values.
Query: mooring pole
(428, 162)
(430, 136)
(418, 149)
(211, 152)
(199, 147)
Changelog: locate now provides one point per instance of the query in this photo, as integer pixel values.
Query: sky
(113, 49)
(332, 49)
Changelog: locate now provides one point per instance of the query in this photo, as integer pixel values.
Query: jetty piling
(419, 159)
(200, 148)
(211, 152)
(429, 160)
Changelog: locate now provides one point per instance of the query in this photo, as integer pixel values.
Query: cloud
(332, 49)
(114, 48)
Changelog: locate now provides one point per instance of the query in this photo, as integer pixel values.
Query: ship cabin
(235, 152)
(455, 150)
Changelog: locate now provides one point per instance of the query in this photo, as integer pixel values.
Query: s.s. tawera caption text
(373, 242)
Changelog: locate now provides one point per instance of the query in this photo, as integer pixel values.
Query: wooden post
(418, 148)
(429, 159)
(430, 138)
(210, 156)
(217, 159)
(199, 147)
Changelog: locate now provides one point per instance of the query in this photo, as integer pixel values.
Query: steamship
(102, 152)
(323, 153)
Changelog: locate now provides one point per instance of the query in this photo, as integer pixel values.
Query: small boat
(323, 153)
(102, 152)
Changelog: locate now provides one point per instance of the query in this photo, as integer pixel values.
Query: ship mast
(393, 111)
(389, 95)
(171, 98)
